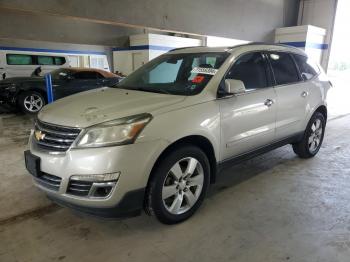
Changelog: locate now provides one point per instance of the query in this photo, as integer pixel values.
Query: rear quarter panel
(318, 89)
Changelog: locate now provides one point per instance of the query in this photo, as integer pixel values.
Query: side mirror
(233, 86)
(64, 76)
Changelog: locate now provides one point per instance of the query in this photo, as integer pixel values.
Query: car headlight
(117, 132)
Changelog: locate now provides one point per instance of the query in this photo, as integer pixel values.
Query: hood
(20, 80)
(104, 104)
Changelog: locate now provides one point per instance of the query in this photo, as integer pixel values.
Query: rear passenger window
(251, 70)
(85, 75)
(59, 60)
(45, 60)
(19, 59)
(307, 68)
(283, 68)
(99, 76)
(51, 60)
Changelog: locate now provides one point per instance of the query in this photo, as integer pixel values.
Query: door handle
(268, 102)
(304, 94)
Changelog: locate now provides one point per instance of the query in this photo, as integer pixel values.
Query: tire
(172, 195)
(313, 137)
(31, 102)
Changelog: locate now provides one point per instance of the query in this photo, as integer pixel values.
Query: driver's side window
(251, 70)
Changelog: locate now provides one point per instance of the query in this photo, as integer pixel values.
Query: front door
(77, 82)
(248, 119)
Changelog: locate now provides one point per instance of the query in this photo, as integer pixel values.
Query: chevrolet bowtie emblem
(38, 135)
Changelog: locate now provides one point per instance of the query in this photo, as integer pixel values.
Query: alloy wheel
(33, 103)
(315, 136)
(183, 186)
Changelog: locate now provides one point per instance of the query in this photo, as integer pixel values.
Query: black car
(29, 93)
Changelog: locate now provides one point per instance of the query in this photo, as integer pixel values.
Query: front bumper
(129, 206)
(134, 162)
(7, 97)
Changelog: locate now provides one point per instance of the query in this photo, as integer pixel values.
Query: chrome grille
(49, 181)
(79, 188)
(53, 137)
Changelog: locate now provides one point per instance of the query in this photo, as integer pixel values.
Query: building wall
(97, 25)
(253, 20)
(319, 13)
(145, 47)
(29, 26)
(28, 30)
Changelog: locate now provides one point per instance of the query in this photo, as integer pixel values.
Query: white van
(23, 63)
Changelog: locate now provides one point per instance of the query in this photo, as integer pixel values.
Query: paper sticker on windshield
(198, 79)
(205, 71)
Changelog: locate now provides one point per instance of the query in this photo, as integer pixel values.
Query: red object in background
(198, 79)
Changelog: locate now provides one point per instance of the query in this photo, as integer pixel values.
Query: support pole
(48, 82)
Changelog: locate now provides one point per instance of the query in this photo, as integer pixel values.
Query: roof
(199, 49)
(244, 47)
(106, 74)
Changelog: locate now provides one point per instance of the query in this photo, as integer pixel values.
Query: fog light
(103, 191)
(94, 186)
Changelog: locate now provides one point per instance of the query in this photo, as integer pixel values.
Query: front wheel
(178, 185)
(31, 102)
(313, 137)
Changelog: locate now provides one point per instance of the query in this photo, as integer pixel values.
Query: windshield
(177, 74)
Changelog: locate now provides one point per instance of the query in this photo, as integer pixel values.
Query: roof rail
(247, 44)
(263, 43)
(180, 48)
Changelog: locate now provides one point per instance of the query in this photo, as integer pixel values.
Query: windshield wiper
(143, 89)
(161, 91)
(114, 86)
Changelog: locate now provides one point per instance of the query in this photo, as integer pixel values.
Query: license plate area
(32, 163)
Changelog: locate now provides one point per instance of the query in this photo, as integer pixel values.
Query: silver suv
(160, 137)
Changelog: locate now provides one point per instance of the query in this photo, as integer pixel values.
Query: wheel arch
(35, 89)
(323, 110)
(197, 140)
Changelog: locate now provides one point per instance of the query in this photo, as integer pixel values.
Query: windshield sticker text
(203, 70)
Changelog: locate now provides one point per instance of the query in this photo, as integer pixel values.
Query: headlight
(117, 132)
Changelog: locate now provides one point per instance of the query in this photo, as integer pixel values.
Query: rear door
(291, 94)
